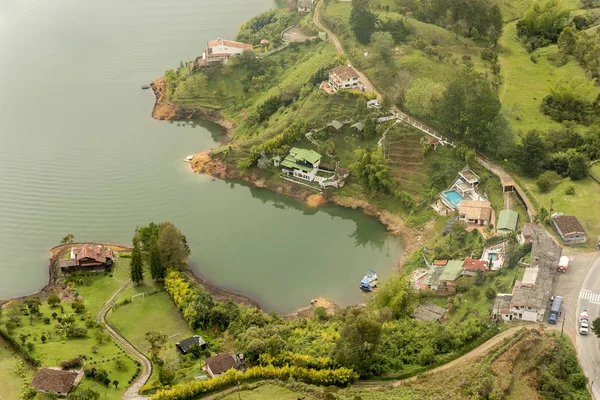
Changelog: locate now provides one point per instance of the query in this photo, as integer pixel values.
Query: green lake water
(79, 153)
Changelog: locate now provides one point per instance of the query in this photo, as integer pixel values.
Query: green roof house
(337, 125)
(507, 222)
(452, 270)
(301, 163)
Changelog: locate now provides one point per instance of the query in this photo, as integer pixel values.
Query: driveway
(580, 290)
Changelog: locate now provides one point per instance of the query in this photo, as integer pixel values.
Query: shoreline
(204, 163)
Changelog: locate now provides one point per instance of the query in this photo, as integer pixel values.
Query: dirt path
(132, 393)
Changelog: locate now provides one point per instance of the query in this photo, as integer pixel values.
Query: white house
(221, 49)
(344, 77)
(301, 163)
(304, 6)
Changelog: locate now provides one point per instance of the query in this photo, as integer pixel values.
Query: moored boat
(370, 277)
(188, 158)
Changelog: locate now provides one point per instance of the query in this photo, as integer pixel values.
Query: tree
(68, 239)
(43, 338)
(157, 269)
(579, 165)
(362, 20)
(493, 35)
(383, 44)
(532, 154)
(542, 23)
(119, 363)
(157, 340)
(116, 383)
(23, 338)
(370, 168)
(172, 246)
(357, 345)
(53, 300)
(136, 266)
(490, 293)
(195, 350)
(398, 294)
(166, 376)
(370, 129)
(543, 183)
(148, 235)
(320, 314)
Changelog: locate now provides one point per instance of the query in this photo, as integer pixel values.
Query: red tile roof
(95, 252)
(220, 363)
(229, 43)
(345, 72)
(472, 264)
(440, 262)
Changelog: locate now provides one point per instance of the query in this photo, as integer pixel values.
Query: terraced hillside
(407, 162)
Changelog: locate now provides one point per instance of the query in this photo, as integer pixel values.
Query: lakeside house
(89, 257)
(473, 267)
(221, 50)
(219, 364)
(344, 77)
(305, 6)
(475, 212)
(185, 344)
(47, 380)
(507, 222)
(463, 188)
(568, 228)
(301, 164)
(441, 277)
(530, 296)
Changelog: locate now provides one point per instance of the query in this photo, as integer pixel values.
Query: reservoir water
(80, 154)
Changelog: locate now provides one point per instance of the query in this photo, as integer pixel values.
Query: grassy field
(10, 382)
(153, 312)
(595, 171)
(521, 94)
(584, 204)
(266, 391)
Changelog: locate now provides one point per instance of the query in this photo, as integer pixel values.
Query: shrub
(570, 190)
(47, 321)
(546, 180)
(337, 377)
(490, 293)
(74, 363)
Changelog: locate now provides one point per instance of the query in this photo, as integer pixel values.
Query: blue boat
(370, 277)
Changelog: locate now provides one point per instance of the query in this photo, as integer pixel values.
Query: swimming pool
(453, 196)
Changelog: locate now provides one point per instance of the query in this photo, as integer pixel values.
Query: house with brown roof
(475, 212)
(221, 50)
(219, 364)
(55, 380)
(472, 267)
(344, 77)
(87, 257)
(304, 6)
(568, 228)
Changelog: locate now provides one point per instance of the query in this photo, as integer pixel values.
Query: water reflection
(216, 131)
(369, 231)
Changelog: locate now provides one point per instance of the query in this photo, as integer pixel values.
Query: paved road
(132, 393)
(588, 347)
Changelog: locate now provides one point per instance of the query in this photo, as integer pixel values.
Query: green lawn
(266, 391)
(525, 83)
(57, 350)
(11, 383)
(584, 204)
(154, 312)
(595, 171)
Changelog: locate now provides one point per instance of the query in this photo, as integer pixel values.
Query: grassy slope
(10, 382)
(267, 391)
(585, 204)
(527, 83)
(152, 313)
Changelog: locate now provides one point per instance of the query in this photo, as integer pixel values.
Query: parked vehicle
(563, 264)
(555, 309)
(584, 316)
(583, 326)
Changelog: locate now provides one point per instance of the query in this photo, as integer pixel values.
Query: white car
(583, 330)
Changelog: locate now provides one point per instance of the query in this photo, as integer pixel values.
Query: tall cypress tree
(137, 266)
(156, 266)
